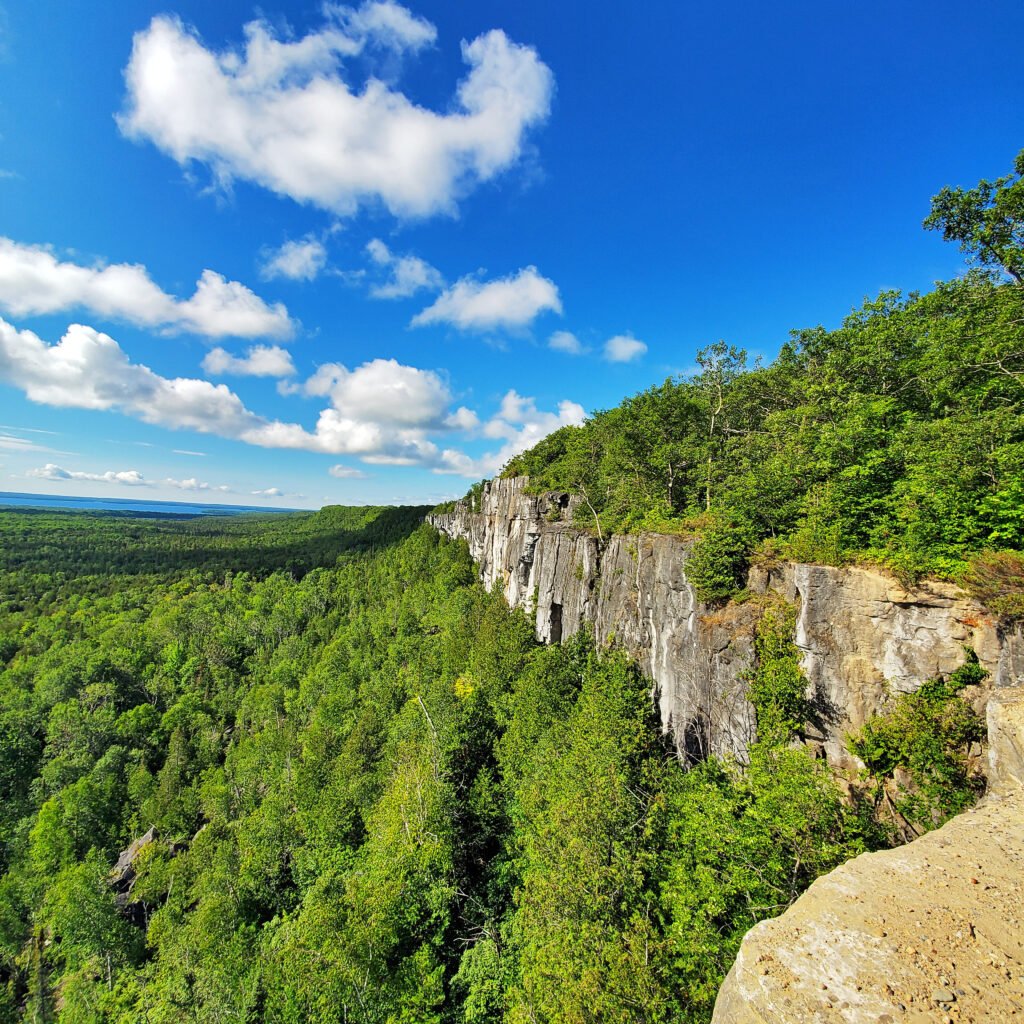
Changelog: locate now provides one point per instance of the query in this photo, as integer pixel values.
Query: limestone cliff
(862, 635)
(932, 931)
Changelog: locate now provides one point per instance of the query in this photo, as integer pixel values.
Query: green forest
(367, 794)
(304, 768)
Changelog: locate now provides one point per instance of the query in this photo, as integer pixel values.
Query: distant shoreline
(16, 500)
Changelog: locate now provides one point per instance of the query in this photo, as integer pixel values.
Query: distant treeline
(76, 543)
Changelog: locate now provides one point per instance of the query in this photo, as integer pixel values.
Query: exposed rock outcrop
(861, 633)
(932, 931)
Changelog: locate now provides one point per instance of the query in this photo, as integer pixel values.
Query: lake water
(139, 507)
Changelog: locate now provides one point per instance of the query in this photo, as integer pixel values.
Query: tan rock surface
(932, 931)
(883, 938)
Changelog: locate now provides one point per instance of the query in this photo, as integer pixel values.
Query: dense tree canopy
(368, 795)
(897, 438)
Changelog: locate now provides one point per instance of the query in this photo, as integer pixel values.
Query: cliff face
(861, 634)
(932, 931)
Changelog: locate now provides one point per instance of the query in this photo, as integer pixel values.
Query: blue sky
(295, 254)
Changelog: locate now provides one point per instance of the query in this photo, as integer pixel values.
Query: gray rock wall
(861, 633)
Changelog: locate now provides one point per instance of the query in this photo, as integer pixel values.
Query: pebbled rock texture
(862, 635)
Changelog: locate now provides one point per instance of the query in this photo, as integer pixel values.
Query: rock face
(861, 634)
(932, 931)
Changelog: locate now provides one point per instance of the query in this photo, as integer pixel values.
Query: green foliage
(987, 221)
(717, 566)
(925, 735)
(997, 579)
(740, 847)
(777, 687)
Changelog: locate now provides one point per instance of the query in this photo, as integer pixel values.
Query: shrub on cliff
(717, 566)
(918, 751)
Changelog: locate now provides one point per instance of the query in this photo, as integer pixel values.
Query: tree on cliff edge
(987, 221)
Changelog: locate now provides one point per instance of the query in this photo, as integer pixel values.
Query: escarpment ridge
(862, 635)
(932, 931)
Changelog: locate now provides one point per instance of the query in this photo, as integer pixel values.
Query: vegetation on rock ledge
(897, 438)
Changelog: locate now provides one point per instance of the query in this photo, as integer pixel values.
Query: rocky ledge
(929, 932)
(862, 635)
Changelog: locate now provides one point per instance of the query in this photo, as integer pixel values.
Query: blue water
(155, 508)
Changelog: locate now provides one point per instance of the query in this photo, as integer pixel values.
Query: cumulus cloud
(87, 369)
(382, 412)
(623, 348)
(127, 477)
(407, 274)
(346, 472)
(192, 484)
(567, 342)
(259, 361)
(283, 114)
(34, 281)
(462, 419)
(383, 391)
(520, 425)
(511, 302)
(269, 492)
(297, 261)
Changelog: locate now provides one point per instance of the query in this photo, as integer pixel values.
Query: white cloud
(192, 484)
(509, 302)
(567, 342)
(623, 348)
(297, 261)
(408, 274)
(127, 477)
(33, 281)
(282, 114)
(29, 430)
(185, 451)
(88, 370)
(520, 424)
(269, 492)
(11, 443)
(384, 24)
(259, 361)
(383, 391)
(346, 472)
(382, 410)
(463, 419)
